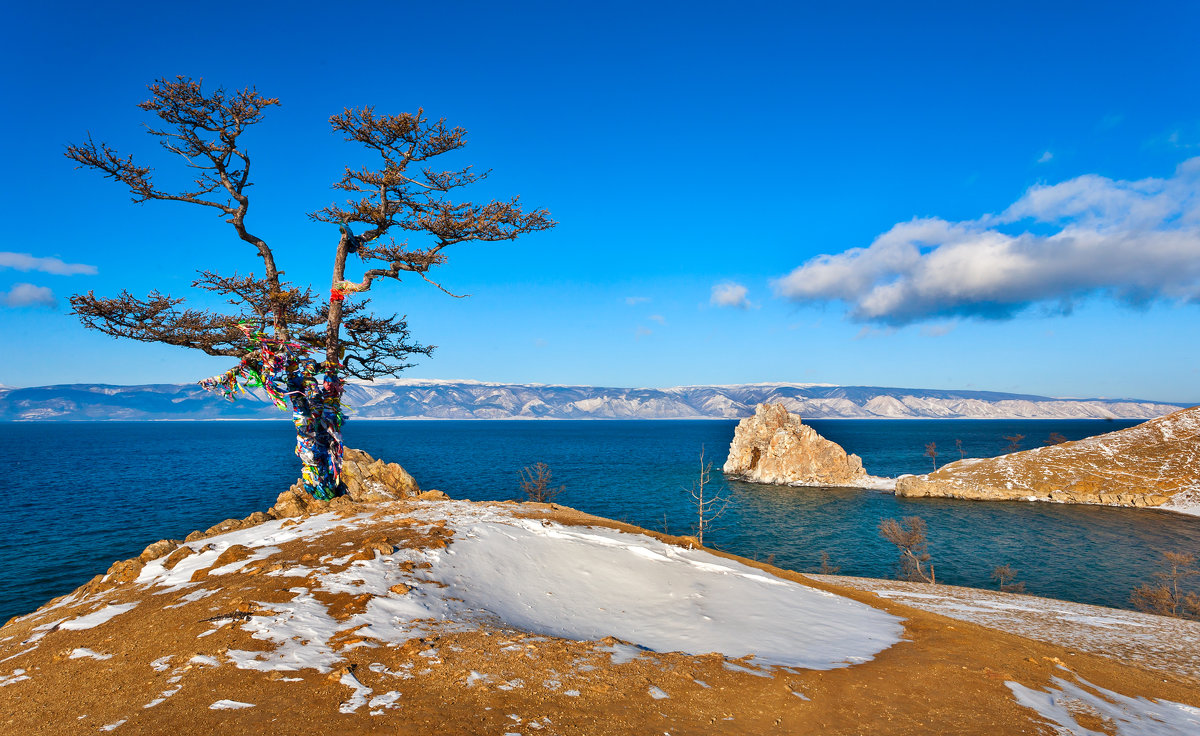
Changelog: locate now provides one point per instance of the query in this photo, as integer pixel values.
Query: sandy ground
(132, 657)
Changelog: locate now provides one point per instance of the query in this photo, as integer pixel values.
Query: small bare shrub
(826, 567)
(710, 504)
(1005, 576)
(1014, 442)
(931, 452)
(535, 483)
(908, 535)
(1168, 597)
(1055, 439)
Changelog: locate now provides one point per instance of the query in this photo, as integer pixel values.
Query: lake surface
(83, 495)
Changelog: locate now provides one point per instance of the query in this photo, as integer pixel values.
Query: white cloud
(643, 332)
(1134, 241)
(1047, 156)
(729, 294)
(635, 300)
(659, 319)
(29, 262)
(27, 295)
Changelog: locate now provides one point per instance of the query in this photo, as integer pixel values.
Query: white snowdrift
(582, 583)
(589, 582)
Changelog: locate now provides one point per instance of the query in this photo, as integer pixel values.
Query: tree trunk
(316, 412)
(316, 397)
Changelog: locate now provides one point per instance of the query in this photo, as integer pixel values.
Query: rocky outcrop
(1156, 463)
(774, 446)
(367, 480)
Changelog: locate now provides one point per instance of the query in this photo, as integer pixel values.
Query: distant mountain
(400, 398)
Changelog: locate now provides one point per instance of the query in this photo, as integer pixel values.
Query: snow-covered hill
(426, 615)
(465, 399)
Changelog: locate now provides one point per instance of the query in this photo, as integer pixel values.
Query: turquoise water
(83, 495)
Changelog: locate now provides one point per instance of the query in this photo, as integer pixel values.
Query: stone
(177, 556)
(775, 446)
(295, 501)
(258, 517)
(1155, 464)
(124, 571)
(229, 525)
(158, 549)
(368, 480)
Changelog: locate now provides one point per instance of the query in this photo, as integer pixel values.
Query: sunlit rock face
(774, 446)
(1153, 464)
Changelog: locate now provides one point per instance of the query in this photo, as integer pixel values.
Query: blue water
(84, 495)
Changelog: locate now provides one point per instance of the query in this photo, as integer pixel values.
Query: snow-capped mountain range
(401, 398)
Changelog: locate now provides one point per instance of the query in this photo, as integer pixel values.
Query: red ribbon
(336, 296)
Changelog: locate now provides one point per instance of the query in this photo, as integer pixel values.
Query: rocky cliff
(774, 446)
(1156, 463)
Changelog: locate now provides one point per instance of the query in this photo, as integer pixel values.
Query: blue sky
(942, 195)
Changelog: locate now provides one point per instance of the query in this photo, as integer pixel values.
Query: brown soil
(947, 676)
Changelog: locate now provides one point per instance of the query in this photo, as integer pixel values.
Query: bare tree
(1055, 439)
(931, 452)
(908, 535)
(300, 347)
(1014, 442)
(710, 504)
(962, 455)
(1005, 575)
(827, 568)
(535, 483)
(1168, 597)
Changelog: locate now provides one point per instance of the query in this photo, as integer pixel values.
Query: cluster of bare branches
(1168, 596)
(710, 504)
(403, 192)
(535, 483)
(1014, 442)
(931, 453)
(908, 535)
(827, 567)
(1006, 578)
(1055, 438)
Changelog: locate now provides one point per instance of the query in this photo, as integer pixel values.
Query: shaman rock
(1156, 463)
(774, 446)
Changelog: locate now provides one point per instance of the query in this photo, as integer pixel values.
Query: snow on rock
(1155, 464)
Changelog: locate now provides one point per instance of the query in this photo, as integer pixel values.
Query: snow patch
(1125, 715)
(230, 705)
(586, 583)
(96, 618)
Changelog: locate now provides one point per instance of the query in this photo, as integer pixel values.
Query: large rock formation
(774, 446)
(1153, 464)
